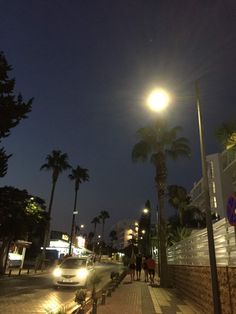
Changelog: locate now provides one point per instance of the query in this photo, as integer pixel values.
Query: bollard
(9, 274)
(28, 271)
(94, 311)
(19, 271)
(109, 292)
(103, 297)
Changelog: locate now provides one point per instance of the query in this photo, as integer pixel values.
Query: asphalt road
(35, 294)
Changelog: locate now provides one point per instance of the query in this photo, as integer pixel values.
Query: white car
(73, 272)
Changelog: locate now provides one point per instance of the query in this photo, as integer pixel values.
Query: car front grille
(67, 283)
(68, 276)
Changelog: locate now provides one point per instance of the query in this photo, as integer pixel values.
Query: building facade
(126, 232)
(221, 171)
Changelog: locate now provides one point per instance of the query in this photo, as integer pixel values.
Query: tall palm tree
(56, 162)
(103, 216)
(95, 221)
(226, 135)
(78, 175)
(156, 143)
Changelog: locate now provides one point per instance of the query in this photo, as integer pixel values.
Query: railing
(194, 249)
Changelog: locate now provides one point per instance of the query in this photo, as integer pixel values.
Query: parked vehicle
(73, 272)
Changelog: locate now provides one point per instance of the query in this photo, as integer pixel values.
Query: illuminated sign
(81, 242)
(65, 237)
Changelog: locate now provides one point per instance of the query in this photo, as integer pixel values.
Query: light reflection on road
(39, 296)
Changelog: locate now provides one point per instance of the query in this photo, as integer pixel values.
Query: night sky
(89, 65)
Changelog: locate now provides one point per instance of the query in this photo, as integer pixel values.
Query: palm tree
(156, 143)
(78, 175)
(57, 162)
(226, 135)
(178, 199)
(95, 221)
(103, 216)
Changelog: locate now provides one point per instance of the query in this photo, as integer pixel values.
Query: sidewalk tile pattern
(140, 298)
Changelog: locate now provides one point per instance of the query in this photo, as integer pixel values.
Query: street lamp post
(211, 245)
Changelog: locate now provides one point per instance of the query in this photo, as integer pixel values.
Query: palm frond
(141, 151)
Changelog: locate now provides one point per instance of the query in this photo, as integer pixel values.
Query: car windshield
(73, 263)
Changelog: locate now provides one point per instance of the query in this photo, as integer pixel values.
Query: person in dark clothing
(145, 268)
(132, 268)
(138, 266)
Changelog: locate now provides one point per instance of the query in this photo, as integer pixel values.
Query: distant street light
(143, 231)
(82, 226)
(145, 211)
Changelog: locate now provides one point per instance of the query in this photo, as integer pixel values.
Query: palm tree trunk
(73, 222)
(101, 243)
(103, 223)
(46, 239)
(161, 188)
(94, 232)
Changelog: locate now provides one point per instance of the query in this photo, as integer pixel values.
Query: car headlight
(57, 272)
(82, 273)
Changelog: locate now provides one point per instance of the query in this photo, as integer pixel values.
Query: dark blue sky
(89, 65)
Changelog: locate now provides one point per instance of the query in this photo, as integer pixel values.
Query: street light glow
(158, 100)
(145, 210)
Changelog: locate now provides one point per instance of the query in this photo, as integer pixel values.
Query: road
(35, 294)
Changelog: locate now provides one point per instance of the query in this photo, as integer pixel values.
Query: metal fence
(194, 249)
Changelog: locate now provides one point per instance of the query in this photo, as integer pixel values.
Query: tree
(156, 143)
(226, 135)
(20, 213)
(57, 162)
(95, 222)
(3, 162)
(178, 199)
(90, 239)
(78, 175)
(103, 216)
(12, 109)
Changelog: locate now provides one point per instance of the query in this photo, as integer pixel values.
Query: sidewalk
(140, 298)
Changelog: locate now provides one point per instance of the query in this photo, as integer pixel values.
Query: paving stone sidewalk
(140, 298)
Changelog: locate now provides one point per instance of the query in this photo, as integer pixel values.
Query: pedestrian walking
(145, 268)
(138, 266)
(132, 267)
(151, 265)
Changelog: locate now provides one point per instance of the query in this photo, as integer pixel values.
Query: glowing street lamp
(158, 99)
(82, 226)
(145, 211)
(143, 231)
